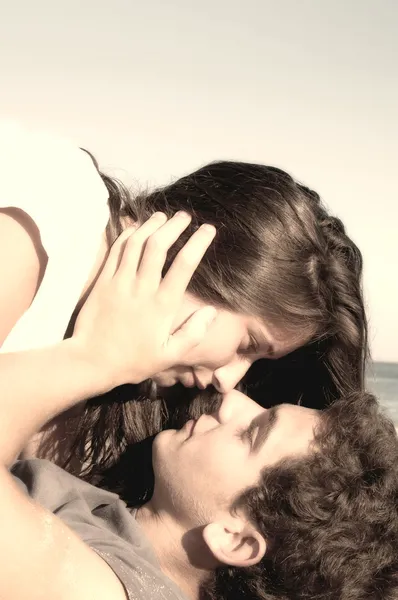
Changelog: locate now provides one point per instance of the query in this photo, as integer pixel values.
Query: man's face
(202, 468)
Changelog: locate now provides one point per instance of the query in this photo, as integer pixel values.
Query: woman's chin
(165, 380)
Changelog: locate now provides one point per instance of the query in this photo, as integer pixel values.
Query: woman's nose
(227, 377)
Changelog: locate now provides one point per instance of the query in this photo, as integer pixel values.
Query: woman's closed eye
(251, 348)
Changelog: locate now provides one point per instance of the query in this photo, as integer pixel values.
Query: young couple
(282, 502)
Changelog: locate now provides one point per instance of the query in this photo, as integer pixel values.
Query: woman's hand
(125, 326)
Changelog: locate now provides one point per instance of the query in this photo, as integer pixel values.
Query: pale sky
(156, 89)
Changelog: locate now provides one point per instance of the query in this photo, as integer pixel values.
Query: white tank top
(58, 186)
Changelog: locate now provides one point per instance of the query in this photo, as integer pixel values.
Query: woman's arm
(123, 333)
(36, 386)
(22, 264)
(52, 377)
(40, 557)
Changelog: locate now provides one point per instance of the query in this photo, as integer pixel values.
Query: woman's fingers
(115, 254)
(132, 250)
(184, 265)
(190, 334)
(141, 252)
(156, 248)
(125, 325)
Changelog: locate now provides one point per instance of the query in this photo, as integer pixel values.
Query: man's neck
(175, 548)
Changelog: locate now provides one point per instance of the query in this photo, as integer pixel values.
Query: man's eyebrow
(265, 430)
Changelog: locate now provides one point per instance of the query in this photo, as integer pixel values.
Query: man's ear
(236, 543)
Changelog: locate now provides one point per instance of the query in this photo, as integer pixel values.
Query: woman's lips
(189, 379)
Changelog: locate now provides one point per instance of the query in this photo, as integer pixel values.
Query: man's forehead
(298, 418)
(286, 430)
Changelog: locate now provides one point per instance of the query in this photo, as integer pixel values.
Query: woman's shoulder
(57, 185)
(51, 179)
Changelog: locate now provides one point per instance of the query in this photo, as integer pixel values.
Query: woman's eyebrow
(265, 430)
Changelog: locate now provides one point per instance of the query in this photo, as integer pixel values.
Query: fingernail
(208, 228)
(158, 215)
(181, 214)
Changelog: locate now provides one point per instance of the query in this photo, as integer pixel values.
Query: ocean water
(383, 382)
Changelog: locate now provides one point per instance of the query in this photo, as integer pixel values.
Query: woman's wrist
(95, 374)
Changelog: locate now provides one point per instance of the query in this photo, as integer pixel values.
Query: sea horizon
(382, 381)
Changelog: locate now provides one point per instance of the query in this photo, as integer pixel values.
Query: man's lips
(198, 383)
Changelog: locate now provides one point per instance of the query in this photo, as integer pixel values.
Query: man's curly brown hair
(331, 518)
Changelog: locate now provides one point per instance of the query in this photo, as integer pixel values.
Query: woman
(281, 272)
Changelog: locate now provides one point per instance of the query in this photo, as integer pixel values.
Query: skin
(233, 342)
(199, 472)
(222, 446)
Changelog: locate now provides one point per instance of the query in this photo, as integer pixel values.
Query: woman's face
(233, 342)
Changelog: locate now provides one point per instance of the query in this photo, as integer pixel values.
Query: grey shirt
(103, 522)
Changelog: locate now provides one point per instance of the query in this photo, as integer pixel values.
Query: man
(271, 504)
